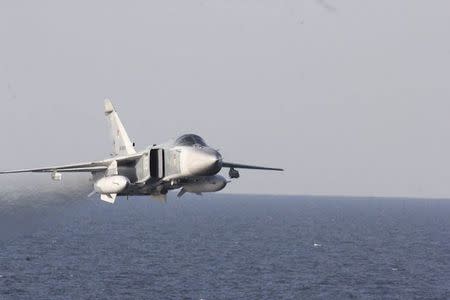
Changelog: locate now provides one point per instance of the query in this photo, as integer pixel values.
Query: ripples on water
(224, 247)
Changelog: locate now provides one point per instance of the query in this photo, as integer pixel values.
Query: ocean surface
(224, 247)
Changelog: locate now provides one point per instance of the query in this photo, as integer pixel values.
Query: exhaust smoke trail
(28, 202)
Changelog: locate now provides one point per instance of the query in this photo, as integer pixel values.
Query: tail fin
(121, 142)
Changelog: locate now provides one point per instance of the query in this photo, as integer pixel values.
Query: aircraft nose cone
(216, 165)
(212, 162)
(205, 162)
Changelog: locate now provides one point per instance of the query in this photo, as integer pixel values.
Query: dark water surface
(225, 247)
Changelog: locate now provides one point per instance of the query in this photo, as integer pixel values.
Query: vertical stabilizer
(121, 142)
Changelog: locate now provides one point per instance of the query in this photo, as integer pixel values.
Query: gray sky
(351, 97)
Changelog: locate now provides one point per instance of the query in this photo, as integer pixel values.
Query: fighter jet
(186, 163)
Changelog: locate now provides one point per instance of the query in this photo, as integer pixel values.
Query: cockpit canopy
(190, 140)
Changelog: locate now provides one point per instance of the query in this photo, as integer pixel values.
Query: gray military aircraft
(187, 163)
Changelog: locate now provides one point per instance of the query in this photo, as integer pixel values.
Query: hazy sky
(351, 97)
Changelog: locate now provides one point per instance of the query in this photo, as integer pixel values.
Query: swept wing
(96, 166)
(241, 166)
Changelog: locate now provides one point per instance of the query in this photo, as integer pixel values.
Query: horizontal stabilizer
(110, 198)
